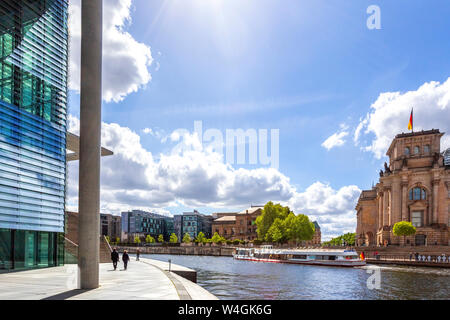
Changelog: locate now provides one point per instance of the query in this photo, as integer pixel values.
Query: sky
(335, 90)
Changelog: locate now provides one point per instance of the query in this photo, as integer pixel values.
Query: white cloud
(389, 115)
(125, 60)
(337, 139)
(195, 177)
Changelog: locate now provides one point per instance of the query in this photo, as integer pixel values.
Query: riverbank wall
(219, 251)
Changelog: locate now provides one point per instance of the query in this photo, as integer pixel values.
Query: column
(396, 203)
(404, 201)
(435, 200)
(90, 133)
(386, 208)
(380, 210)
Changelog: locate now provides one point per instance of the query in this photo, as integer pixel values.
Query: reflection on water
(234, 279)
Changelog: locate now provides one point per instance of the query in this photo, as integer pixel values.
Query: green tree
(137, 240)
(187, 238)
(298, 227)
(404, 228)
(149, 239)
(108, 239)
(201, 238)
(270, 213)
(345, 239)
(117, 240)
(173, 238)
(216, 238)
(161, 238)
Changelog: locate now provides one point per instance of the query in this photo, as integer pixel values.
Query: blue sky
(308, 68)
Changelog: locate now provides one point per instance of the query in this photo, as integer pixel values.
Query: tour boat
(322, 257)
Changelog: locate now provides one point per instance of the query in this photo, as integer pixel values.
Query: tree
(299, 227)
(404, 228)
(266, 219)
(200, 238)
(117, 240)
(108, 239)
(161, 238)
(186, 238)
(137, 240)
(173, 238)
(149, 239)
(277, 232)
(345, 239)
(216, 238)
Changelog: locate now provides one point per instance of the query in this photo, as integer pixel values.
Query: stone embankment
(223, 251)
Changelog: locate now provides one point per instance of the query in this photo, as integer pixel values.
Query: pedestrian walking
(125, 259)
(114, 258)
(138, 252)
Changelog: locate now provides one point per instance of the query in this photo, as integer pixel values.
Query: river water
(227, 278)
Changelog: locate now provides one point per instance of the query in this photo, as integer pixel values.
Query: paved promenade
(142, 281)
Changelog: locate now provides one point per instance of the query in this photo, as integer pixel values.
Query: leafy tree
(187, 238)
(277, 232)
(201, 238)
(137, 240)
(267, 218)
(149, 239)
(216, 238)
(108, 239)
(173, 238)
(298, 227)
(117, 240)
(346, 239)
(404, 228)
(161, 238)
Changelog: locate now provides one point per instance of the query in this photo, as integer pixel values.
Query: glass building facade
(33, 104)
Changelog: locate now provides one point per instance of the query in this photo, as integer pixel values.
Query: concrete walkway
(142, 281)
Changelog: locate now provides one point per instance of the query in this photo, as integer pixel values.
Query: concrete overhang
(73, 144)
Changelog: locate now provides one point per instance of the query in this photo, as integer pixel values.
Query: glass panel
(5, 249)
(416, 150)
(417, 193)
(417, 218)
(407, 152)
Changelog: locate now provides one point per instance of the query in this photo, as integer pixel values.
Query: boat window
(296, 256)
(332, 257)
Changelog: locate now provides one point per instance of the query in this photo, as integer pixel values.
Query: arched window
(417, 194)
(407, 151)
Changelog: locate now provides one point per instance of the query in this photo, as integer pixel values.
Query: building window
(426, 149)
(416, 150)
(416, 218)
(417, 194)
(407, 151)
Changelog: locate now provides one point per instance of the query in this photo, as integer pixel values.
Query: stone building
(415, 187)
(317, 237)
(240, 225)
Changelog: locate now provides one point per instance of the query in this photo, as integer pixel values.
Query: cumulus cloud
(389, 115)
(126, 61)
(194, 176)
(337, 139)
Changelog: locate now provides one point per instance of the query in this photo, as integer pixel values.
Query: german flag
(410, 124)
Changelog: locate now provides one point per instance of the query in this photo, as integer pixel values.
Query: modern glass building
(33, 102)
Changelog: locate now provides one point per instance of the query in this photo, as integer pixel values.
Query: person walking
(114, 258)
(125, 259)
(138, 252)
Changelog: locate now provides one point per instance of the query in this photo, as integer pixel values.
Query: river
(227, 278)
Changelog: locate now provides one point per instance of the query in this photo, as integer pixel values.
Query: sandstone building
(414, 187)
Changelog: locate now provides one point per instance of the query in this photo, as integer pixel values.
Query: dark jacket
(114, 256)
(125, 257)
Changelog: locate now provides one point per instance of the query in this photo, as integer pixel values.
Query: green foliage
(137, 240)
(236, 241)
(108, 239)
(348, 239)
(117, 240)
(187, 238)
(229, 242)
(404, 228)
(216, 238)
(173, 238)
(160, 238)
(201, 238)
(149, 239)
(280, 224)
(257, 242)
